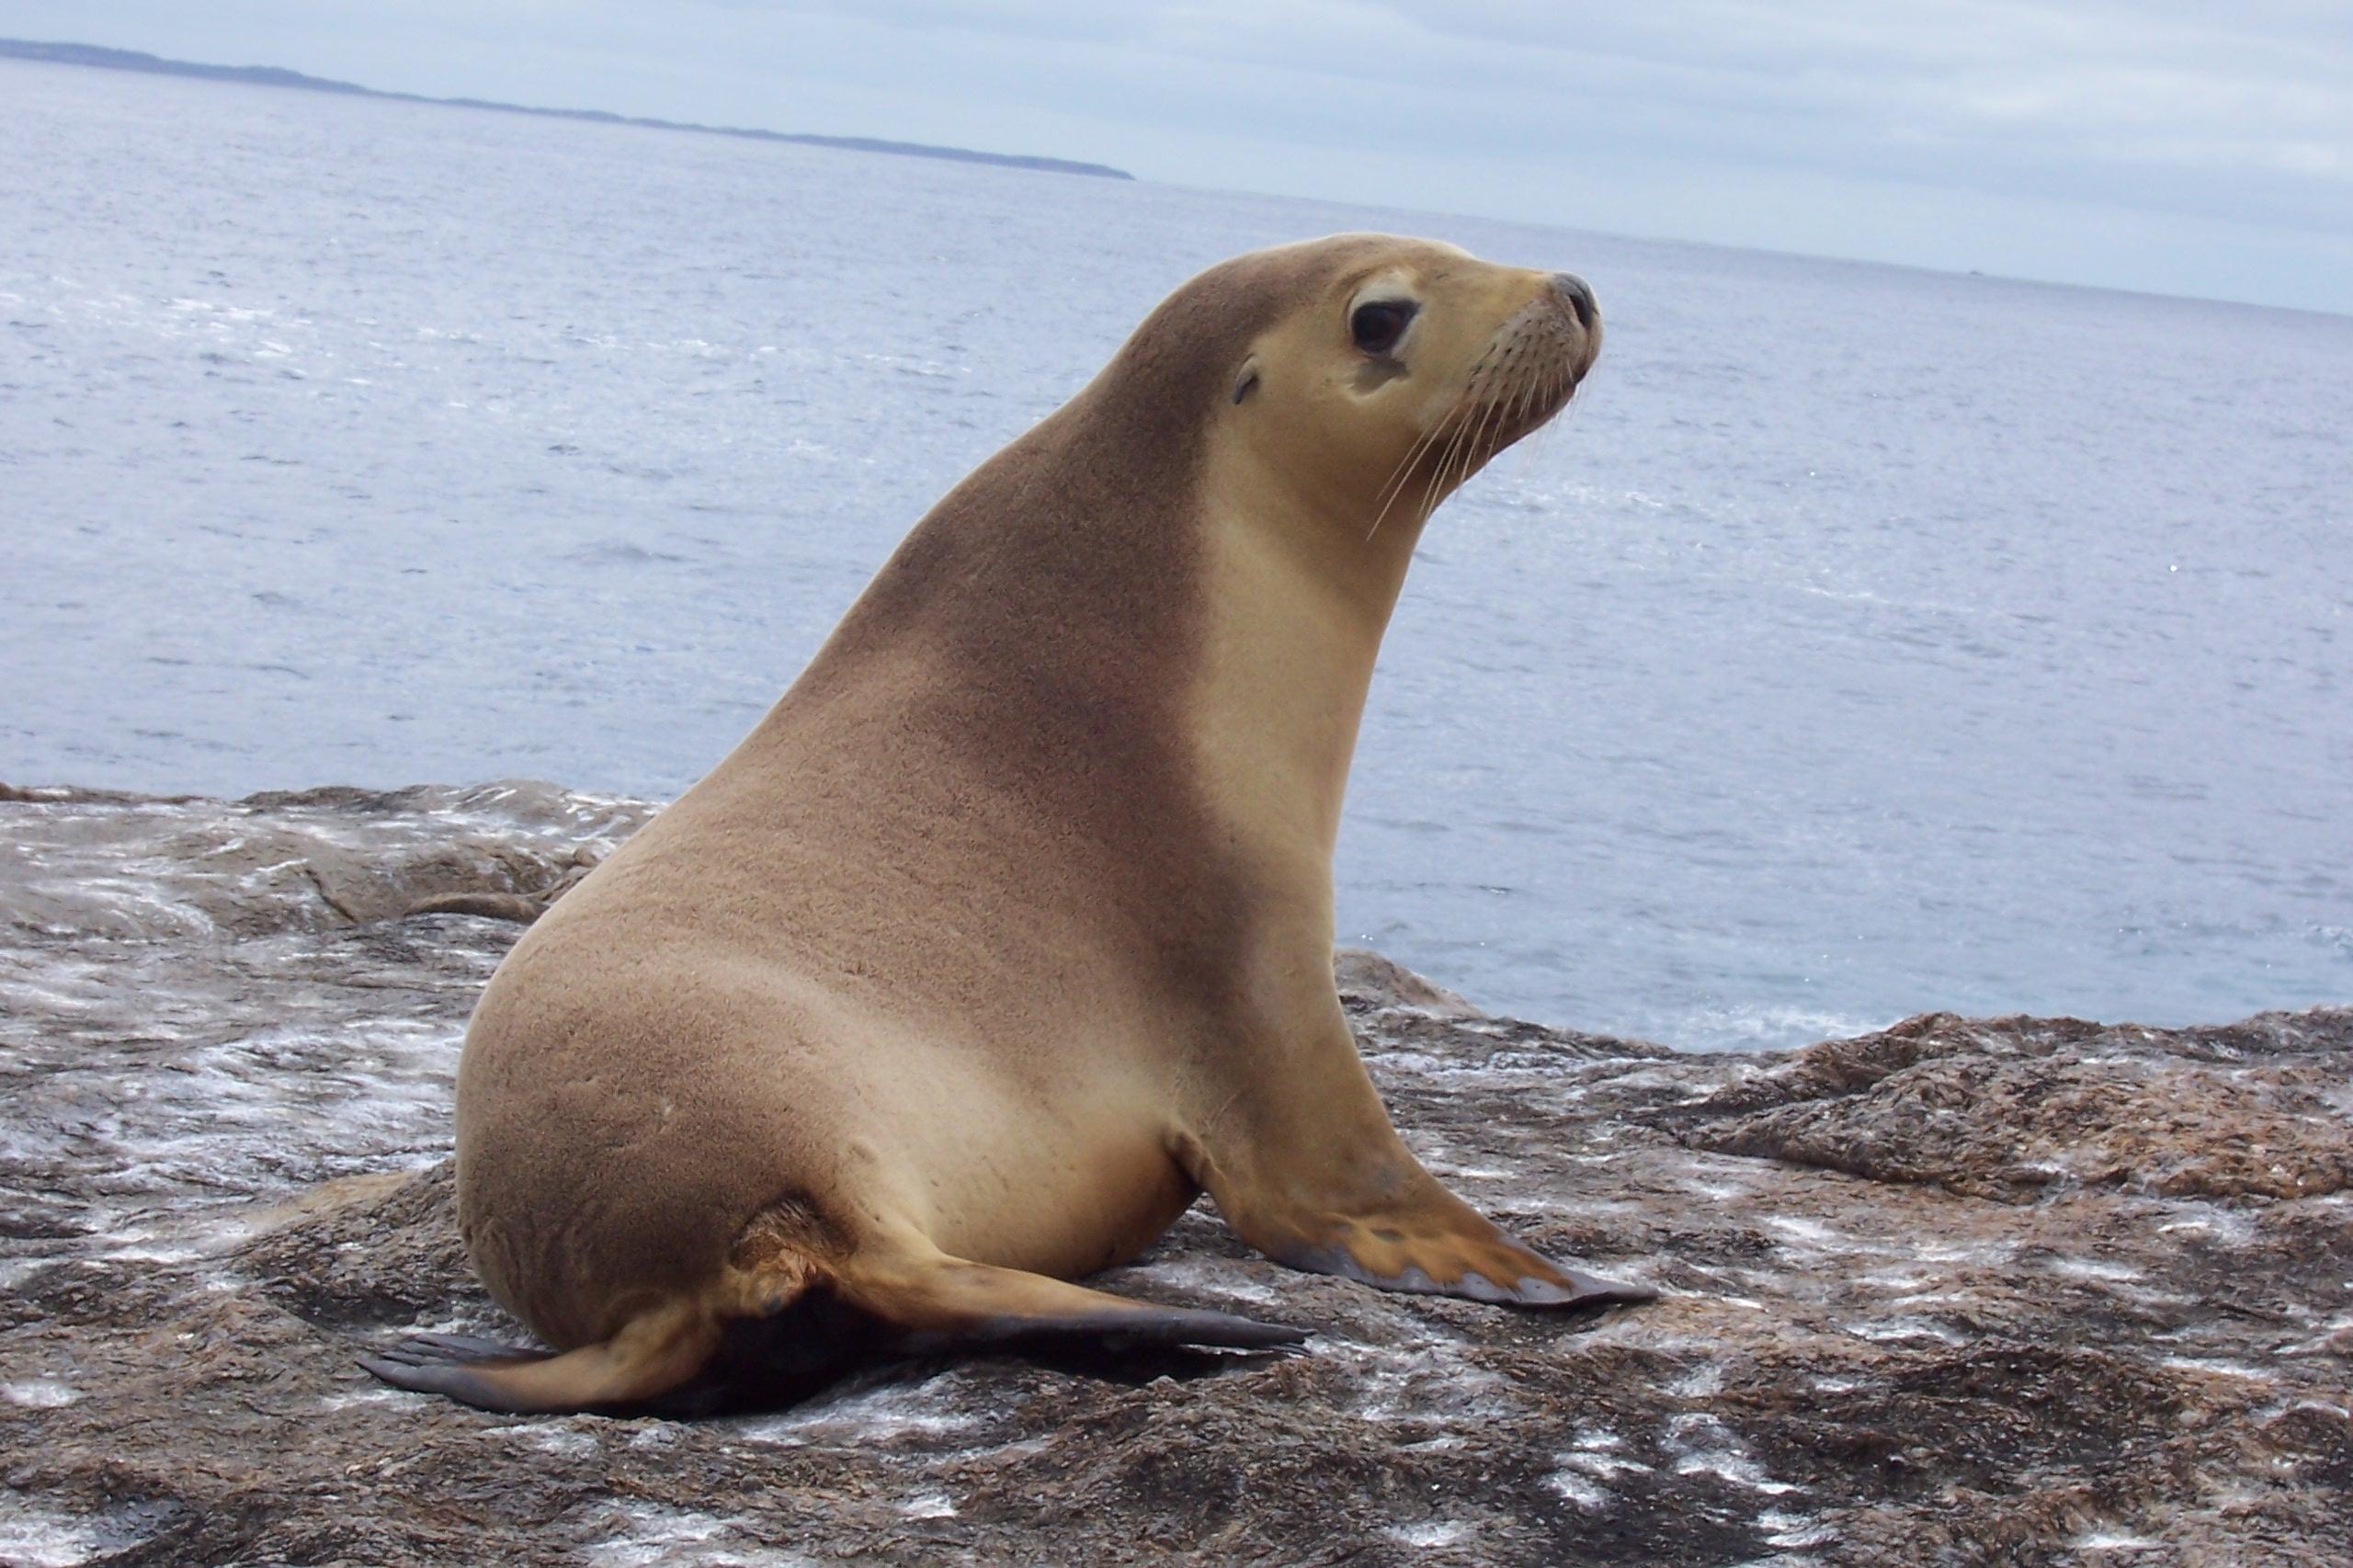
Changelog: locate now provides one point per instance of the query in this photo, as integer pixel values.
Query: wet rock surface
(1965, 1290)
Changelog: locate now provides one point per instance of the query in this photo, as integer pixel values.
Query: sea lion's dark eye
(1377, 326)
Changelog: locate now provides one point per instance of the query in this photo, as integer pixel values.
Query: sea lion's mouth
(1530, 369)
(1528, 373)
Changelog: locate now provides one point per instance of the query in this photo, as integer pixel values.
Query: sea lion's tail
(807, 1326)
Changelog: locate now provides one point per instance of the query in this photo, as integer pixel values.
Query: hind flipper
(468, 1370)
(937, 1299)
(652, 1355)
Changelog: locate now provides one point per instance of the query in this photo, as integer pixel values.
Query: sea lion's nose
(1579, 294)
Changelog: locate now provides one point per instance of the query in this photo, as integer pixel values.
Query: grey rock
(1964, 1290)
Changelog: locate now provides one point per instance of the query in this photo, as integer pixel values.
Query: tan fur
(1009, 927)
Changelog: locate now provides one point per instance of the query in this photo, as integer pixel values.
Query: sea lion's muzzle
(1529, 370)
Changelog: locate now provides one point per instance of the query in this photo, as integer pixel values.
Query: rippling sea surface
(1862, 641)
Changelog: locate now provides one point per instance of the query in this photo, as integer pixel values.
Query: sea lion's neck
(1297, 598)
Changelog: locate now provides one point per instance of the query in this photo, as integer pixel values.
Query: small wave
(619, 552)
(1764, 1028)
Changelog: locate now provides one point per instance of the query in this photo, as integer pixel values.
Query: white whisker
(1518, 385)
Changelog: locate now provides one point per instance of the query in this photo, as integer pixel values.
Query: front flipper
(1306, 1167)
(937, 1300)
(1436, 1245)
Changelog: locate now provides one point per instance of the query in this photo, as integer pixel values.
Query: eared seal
(1009, 931)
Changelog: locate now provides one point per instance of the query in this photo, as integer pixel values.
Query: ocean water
(1862, 641)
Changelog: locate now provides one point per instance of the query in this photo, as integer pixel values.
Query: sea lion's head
(1367, 374)
(1392, 369)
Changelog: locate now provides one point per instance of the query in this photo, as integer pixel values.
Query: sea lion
(1009, 929)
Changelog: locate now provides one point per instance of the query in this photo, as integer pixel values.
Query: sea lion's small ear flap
(1245, 379)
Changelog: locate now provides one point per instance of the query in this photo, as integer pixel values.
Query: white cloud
(2059, 127)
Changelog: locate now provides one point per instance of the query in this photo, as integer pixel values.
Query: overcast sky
(2182, 146)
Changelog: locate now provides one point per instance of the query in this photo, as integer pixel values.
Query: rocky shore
(2016, 1290)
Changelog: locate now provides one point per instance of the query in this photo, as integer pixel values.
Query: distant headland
(276, 76)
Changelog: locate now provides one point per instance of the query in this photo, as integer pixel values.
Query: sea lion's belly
(1025, 1141)
(1061, 1180)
